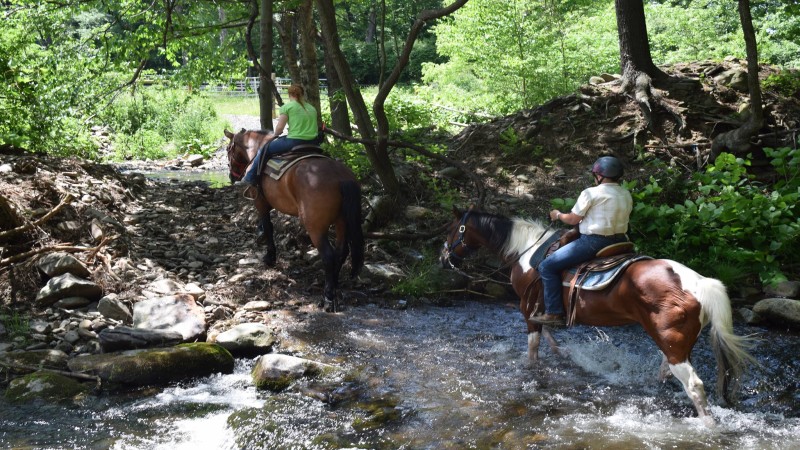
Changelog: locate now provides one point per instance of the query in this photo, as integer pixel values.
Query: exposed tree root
(640, 87)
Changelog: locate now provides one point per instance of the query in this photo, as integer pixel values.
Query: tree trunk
(308, 55)
(265, 73)
(738, 141)
(340, 118)
(379, 159)
(636, 62)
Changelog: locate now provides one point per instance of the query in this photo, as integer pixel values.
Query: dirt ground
(192, 233)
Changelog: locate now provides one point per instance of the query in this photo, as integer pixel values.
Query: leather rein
(237, 167)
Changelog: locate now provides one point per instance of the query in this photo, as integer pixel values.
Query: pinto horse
(319, 191)
(670, 301)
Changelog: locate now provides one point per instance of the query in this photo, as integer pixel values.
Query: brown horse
(319, 191)
(670, 301)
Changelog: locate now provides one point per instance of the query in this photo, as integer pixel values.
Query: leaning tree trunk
(738, 141)
(636, 63)
(285, 28)
(378, 158)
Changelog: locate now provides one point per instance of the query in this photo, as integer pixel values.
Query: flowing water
(439, 378)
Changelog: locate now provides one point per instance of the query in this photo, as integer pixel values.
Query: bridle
(448, 252)
(237, 167)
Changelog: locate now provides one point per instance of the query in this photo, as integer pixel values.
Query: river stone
(157, 366)
(126, 338)
(72, 302)
(113, 308)
(174, 313)
(387, 272)
(165, 287)
(47, 386)
(68, 285)
(248, 339)
(276, 372)
(55, 264)
(782, 310)
(785, 289)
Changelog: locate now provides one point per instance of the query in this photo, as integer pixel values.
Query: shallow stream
(439, 378)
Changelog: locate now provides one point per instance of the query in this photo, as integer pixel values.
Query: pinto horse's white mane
(525, 237)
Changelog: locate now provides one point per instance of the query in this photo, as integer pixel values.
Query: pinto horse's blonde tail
(731, 351)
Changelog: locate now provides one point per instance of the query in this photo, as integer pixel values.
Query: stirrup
(250, 192)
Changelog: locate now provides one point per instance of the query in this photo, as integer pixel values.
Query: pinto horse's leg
(693, 386)
(663, 371)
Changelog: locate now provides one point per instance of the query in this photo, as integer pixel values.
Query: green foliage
(16, 324)
(157, 123)
(351, 154)
(786, 83)
(727, 224)
(421, 274)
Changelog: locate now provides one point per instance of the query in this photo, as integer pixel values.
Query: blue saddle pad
(598, 280)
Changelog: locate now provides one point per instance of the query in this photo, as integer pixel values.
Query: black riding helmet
(608, 167)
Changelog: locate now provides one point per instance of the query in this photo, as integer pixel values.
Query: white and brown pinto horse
(670, 301)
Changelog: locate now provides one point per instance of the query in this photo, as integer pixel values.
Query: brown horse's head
(238, 159)
(460, 241)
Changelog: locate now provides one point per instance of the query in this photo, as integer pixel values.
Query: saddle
(276, 165)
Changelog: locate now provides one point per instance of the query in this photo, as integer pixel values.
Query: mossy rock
(155, 366)
(46, 386)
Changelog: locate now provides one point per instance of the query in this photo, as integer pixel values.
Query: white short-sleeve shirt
(605, 208)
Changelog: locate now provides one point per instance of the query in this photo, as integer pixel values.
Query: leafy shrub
(727, 225)
(786, 83)
(158, 123)
(351, 154)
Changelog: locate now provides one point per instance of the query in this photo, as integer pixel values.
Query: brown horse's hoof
(329, 304)
(269, 261)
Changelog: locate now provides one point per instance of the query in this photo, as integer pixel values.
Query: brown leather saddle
(277, 165)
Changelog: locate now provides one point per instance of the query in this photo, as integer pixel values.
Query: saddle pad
(540, 252)
(278, 165)
(598, 280)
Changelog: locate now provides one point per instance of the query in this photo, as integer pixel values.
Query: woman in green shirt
(304, 128)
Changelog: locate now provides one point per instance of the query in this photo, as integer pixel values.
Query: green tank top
(302, 120)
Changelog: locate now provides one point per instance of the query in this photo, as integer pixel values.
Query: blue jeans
(580, 250)
(275, 147)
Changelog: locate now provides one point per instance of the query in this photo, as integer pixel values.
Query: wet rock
(46, 386)
(127, 338)
(55, 264)
(387, 272)
(276, 372)
(173, 313)
(68, 285)
(248, 339)
(780, 310)
(195, 160)
(155, 366)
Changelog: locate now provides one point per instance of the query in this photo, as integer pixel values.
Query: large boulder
(68, 285)
(155, 366)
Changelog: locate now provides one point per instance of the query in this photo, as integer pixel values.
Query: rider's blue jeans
(274, 147)
(580, 250)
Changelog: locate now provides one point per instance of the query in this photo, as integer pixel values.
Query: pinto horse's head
(460, 241)
(238, 160)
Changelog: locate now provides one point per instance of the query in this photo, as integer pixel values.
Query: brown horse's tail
(731, 351)
(354, 235)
